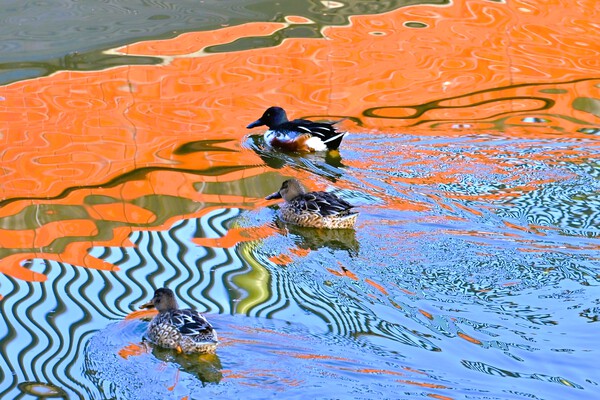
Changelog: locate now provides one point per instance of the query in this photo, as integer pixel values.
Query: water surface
(472, 156)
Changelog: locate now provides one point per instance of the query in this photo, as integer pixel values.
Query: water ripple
(471, 161)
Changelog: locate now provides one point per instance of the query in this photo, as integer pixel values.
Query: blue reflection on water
(462, 297)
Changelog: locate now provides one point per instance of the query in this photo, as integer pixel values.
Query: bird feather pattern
(192, 324)
(323, 203)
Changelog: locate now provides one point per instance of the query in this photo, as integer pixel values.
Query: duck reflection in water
(206, 367)
(314, 239)
(328, 165)
(313, 209)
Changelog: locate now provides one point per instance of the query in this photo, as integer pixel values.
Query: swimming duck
(185, 330)
(299, 134)
(313, 209)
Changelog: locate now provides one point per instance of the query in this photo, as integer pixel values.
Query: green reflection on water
(256, 282)
(588, 105)
(34, 216)
(554, 91)
(41, 38)
(415, 24)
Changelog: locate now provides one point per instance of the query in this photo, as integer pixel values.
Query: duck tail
(333, 143)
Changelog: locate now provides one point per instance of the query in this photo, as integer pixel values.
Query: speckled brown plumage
(314, 209)
(184, 330)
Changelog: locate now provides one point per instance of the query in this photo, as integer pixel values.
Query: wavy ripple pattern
(358, 296)
(477, 238)
(46, 329)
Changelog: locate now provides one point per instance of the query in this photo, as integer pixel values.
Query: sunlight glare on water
(472, 158)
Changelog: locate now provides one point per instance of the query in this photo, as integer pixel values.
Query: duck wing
(323, 130)
(191, 323)
(323, 203)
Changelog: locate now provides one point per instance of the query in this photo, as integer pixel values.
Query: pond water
(472, 156)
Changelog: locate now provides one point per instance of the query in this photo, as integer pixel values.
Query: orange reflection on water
(245, 378)
(74, 136)
(428, 315)
(133, 349)
(378, 371)
(469, 338)
(345, 272)
(107, 224)
(424, 384)
(376, 286)
(405, 381)
(281, 259)
(235, 236)
(312, 356)
(145, 313)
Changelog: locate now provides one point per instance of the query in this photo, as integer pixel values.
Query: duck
(299, 135)
(313, 209)
(184, 330)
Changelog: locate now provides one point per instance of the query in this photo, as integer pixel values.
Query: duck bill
(275, 195)
(254, 124)
(149, 304)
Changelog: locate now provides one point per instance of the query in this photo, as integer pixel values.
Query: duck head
(273, 116)
(163, 300)
(290, 189)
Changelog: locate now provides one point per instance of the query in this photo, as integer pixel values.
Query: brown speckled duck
(184, 330)
(313, 209)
